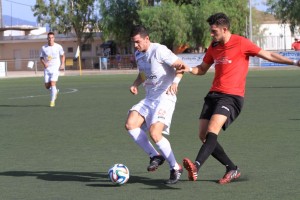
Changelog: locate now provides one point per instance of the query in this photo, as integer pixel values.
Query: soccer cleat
(175, 175)
(52, 103)
(155, 161)
(191, 168)
(230, 176)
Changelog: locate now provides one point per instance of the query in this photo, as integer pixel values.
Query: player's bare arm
(178, 64)
(275, 57)
(44, 62)
(63, 58)
(135, 85)
(198, 70)
(173, 89)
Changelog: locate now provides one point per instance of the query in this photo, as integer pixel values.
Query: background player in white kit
(53, 58)
(156, 65)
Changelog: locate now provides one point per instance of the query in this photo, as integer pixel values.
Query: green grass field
(65, 152)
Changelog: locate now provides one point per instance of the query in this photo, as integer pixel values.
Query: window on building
(86, 47)
(34, 53)
(70, 49)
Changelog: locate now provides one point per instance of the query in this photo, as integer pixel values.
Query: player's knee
(202, 138)
(129, 125)
(202, 135)
(156, 137)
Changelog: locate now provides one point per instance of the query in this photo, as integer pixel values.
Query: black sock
(222, 157)
(207, 148)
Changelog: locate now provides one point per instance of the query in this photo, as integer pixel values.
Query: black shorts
(224, 104)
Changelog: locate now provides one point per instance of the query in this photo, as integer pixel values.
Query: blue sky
(259, 4)
(19, 9)
(22, 9)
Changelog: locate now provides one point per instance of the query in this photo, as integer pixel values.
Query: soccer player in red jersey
(296, 44)
(230, 53)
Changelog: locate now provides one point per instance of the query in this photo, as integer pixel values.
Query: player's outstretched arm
(198, 70)
(277, 58)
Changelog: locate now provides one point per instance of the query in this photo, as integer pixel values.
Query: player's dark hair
(50, 33)
(219, 19)
(139, 29)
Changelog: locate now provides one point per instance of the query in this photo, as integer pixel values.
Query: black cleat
(155, 161)
(175, 175)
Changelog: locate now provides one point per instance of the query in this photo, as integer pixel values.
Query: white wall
(274, 37)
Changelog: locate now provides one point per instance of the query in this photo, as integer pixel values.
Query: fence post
(35, 66)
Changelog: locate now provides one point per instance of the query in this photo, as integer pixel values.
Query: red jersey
(296, 46)
(231, 64)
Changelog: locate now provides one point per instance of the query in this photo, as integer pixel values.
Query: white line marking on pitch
(72, 90)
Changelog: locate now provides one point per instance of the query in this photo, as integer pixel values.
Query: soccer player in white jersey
(53, 58)
(157, 73)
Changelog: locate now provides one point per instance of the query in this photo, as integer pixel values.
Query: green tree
(198, 11)
(170, 22)
(167, 24)
(286, 11)
(68, 16)
(118, 18)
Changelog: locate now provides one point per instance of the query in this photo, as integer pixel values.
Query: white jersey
(51, 55)
(154, 65)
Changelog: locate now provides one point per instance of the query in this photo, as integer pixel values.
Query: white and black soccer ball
(118, 174)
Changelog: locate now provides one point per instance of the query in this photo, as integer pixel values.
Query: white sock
(166, 150)
(53, 93)
(140, 138)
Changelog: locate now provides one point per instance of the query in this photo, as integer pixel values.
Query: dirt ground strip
(17, 74)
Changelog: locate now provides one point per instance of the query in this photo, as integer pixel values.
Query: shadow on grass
(94, 179)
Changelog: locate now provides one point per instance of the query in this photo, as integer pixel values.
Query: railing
(35, 67)
(117, 62)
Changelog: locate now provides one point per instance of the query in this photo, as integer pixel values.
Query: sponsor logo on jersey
(161, 114)
(225, 108)
(152, 76)
(223, 60)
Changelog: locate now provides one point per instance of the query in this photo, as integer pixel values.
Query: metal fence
(274, 43)
(34, 66)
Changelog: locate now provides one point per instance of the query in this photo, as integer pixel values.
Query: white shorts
(51, 75)
(156, 111)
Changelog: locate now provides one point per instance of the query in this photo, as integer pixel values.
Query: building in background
(272, 34)
(23, 43)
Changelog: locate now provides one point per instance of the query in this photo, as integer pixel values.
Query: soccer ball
(118, 174)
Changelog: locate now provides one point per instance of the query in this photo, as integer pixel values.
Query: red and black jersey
(231, 64)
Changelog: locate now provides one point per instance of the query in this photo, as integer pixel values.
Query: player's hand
(134, 90)
(173, 89)
(183, 68)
